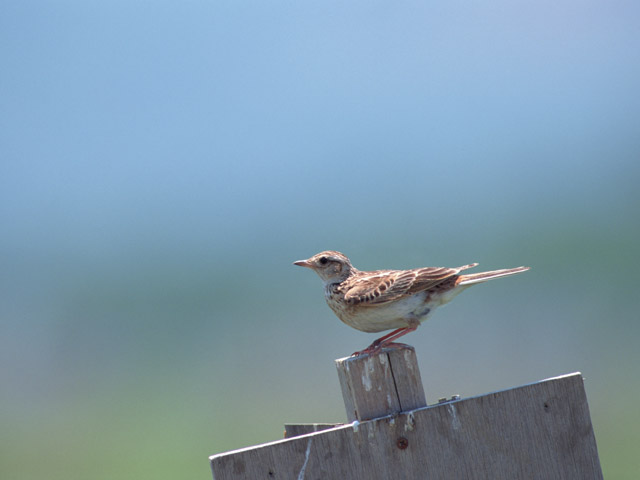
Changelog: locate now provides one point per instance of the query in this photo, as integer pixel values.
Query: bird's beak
(303, 263)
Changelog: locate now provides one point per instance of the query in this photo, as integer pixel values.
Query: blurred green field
(140, 373)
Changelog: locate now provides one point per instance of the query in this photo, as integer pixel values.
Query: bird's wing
(375, 288)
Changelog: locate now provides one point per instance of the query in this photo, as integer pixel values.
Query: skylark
(390, 299)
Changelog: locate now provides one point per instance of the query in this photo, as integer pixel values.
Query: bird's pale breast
(380, 317)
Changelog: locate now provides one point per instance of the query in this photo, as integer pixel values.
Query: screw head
(402, 443)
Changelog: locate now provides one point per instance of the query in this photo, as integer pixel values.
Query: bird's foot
(372, 349)
(377, 346)
(386, 341)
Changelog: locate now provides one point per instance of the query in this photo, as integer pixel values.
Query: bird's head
(331, 267)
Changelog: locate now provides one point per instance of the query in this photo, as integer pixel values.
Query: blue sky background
(163, 163)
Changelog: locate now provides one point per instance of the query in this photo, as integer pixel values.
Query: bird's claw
(377, 346)
(370, 350)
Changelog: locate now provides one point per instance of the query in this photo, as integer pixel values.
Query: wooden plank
(296, 429)
(377, 385)
(538, 431)
(407, 379)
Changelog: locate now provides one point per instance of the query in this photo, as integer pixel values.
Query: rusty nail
(402, 443)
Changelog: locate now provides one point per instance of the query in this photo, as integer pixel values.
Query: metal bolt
(402, 443)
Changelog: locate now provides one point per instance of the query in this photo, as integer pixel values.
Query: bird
(390, 299)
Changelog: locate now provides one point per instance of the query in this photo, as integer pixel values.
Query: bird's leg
(389, 341)
(384, 341)
(388, 335)
(373, 348)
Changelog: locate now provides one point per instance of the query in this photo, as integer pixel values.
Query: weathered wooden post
(537, 431)
(377, 385)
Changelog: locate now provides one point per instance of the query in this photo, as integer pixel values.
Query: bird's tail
(484, 276)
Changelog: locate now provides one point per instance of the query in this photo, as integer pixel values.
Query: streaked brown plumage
(390, 299)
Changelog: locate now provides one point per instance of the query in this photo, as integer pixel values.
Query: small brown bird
(386, 299)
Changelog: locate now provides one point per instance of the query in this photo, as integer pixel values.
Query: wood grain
(537, 431)
(377, 385)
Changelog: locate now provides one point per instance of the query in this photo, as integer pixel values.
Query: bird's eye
(323, 260)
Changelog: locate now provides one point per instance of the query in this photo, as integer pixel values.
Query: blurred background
(162, 164)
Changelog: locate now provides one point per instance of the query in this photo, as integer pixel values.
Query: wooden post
(537, 431)
(384, 384)
(297, 429)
